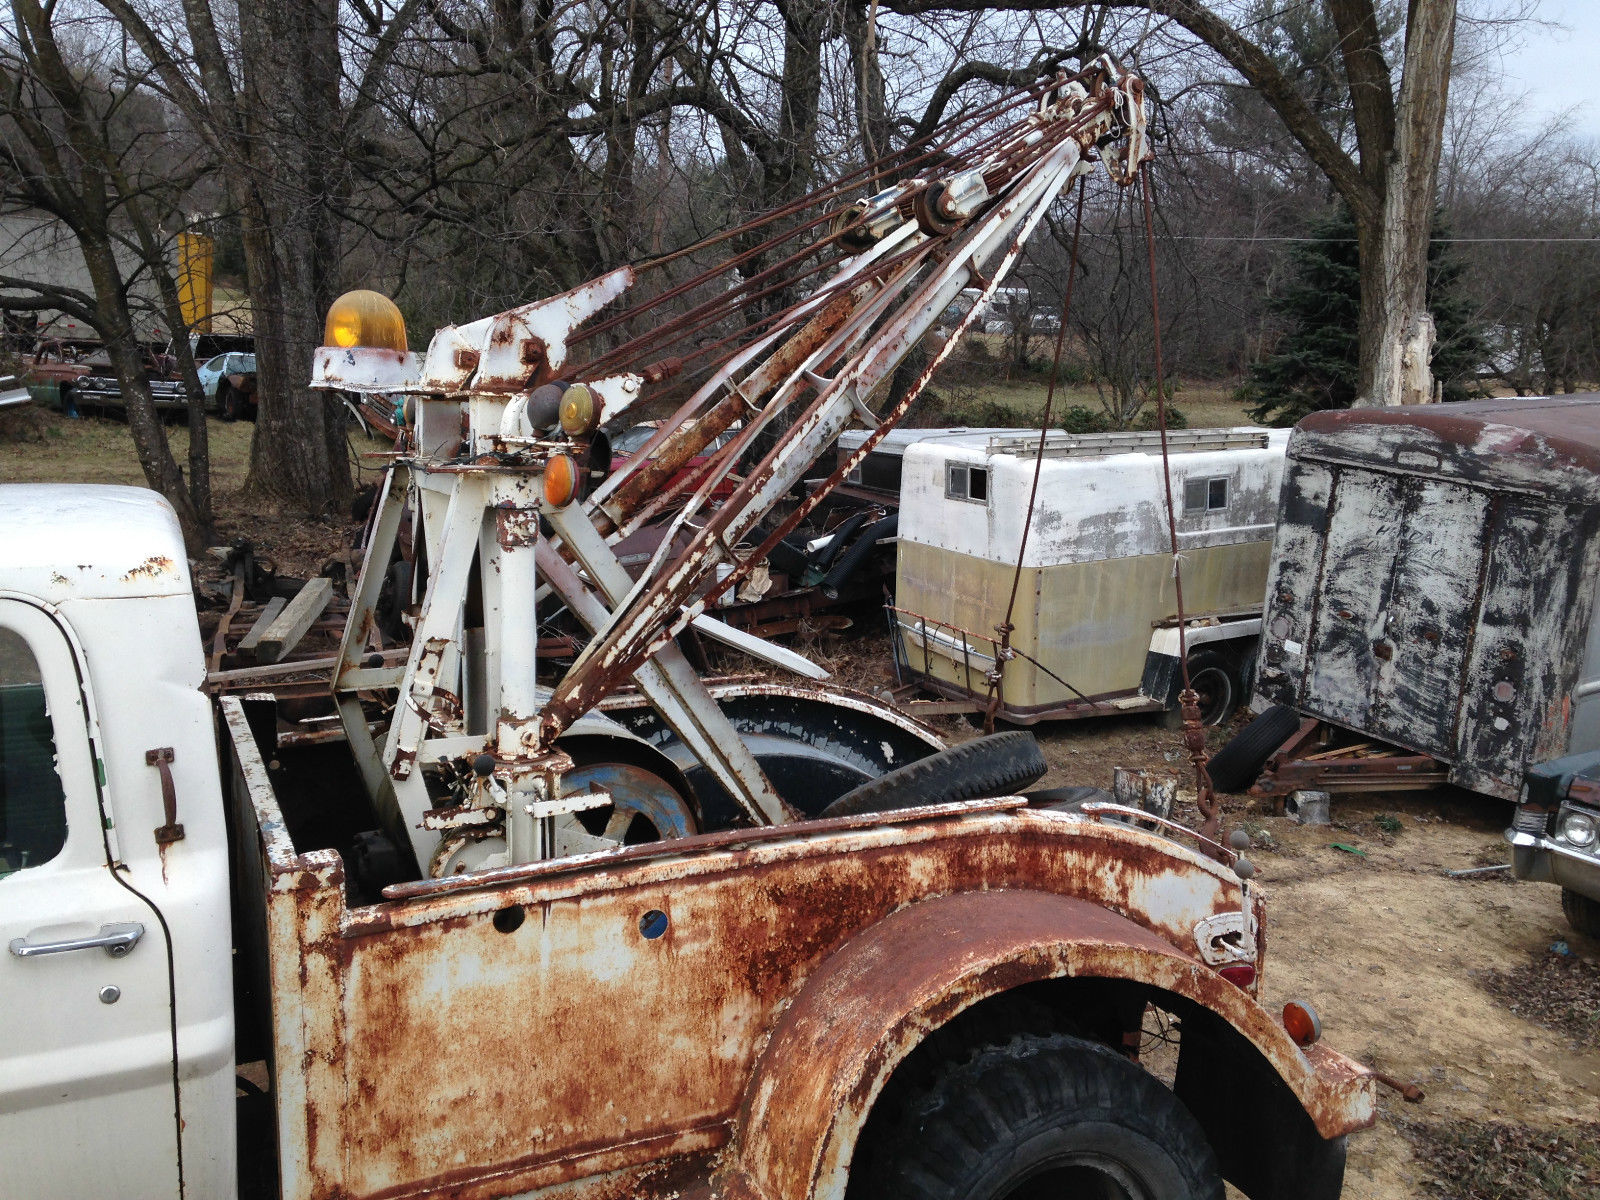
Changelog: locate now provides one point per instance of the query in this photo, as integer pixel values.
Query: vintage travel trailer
(1095, 613)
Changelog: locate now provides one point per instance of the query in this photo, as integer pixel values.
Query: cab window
(33, 804)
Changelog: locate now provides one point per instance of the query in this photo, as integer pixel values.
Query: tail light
(1241, 975)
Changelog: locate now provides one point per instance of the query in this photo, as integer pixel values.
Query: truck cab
(117, 1073)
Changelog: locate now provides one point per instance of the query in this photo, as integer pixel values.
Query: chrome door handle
(115, 940)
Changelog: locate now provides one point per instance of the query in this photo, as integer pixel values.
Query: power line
(1199, 237)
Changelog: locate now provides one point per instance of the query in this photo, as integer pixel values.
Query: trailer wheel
(998, 765)
(1583, 914)
(1238, 764)
(1216, 679)
(1044, 1116)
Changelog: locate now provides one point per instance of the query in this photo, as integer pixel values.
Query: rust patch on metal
(151, 568)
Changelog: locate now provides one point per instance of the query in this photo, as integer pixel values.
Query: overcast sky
(1561, 68)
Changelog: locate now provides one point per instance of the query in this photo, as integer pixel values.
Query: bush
(1148, 420)
(1079, 419)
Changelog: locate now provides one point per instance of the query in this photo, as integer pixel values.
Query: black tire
(998, 765)
(228, 403)
(1216, 677)
(1238, 764)
(1044, 1116)
(1583, 914)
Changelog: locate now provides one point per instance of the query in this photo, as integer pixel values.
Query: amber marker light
(1301, 1023)
(560, 480)
(365, 319)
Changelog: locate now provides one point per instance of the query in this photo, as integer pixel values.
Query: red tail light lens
(1241, 975)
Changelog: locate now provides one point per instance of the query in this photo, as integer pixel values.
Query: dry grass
(1205, 405)
(100, 450)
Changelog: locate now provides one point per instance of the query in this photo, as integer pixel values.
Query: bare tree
(72, 154)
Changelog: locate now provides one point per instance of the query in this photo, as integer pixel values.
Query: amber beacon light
(366, 319)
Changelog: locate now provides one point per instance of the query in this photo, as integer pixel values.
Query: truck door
(87, 1085)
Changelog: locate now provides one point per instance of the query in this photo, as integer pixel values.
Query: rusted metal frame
(616, 651)
(727, 300)
(649, 605)
(825, 297)
(503, 352)
(219, 640)
(855, 324)
(667, 680)
(750, 492)
(1002, 168)
(679, 439)
(431, 659)
(863, 176)
(703, 848)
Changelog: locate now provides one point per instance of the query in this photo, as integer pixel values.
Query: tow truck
(624, 931)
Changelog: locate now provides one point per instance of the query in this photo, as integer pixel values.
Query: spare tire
(1238, 764)
(997, 765)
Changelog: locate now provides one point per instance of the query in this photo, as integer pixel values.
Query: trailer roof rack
(1095, 445)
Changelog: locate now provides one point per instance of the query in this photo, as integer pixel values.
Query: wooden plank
(286, 630)
(268, 615)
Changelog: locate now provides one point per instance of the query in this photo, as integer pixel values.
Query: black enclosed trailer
(1432, 589)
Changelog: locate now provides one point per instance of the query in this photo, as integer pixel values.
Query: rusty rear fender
(873, 1001)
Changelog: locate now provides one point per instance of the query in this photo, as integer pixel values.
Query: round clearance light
(560, 480)
(365, 319)
(1578, 828)
(579, 412)
(1301, 1022)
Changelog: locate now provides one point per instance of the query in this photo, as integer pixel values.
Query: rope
(1194, 734)
(1003, 651)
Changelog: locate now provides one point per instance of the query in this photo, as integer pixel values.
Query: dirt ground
(1412, 971)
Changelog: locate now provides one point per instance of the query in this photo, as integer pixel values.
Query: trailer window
(1205, 495)
(962, 482)
(33, 804)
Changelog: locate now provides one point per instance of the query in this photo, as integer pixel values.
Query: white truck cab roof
(61, 541)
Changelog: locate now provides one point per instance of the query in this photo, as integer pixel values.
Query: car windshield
(631, 439)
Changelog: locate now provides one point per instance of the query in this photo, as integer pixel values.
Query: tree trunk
(160, 469)
(1394, 261)
(287, 192)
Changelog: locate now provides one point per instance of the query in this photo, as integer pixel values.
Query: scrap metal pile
(786, 341)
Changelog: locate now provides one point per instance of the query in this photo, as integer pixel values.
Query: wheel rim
(644, 808)
(1216, 693)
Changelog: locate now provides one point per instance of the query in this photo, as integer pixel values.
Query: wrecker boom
(504, 418)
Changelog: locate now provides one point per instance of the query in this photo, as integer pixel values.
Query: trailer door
(1420, 650)
(1399, 592)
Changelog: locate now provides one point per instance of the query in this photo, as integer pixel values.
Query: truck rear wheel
(1583, 914)
(1045, 1116)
